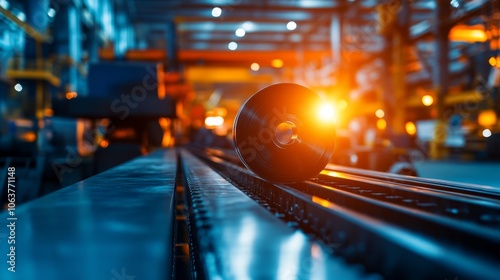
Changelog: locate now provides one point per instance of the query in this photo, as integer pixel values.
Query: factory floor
(479, 173)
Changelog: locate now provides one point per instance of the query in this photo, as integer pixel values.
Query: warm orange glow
(28, 137)
(470, 34)
(327, 113)
(49, 112)
(487, 118)
(322, 202)
(411, 129)
(342, 104)
(427, 100)
(167, 139)
(255, 66)
(381, 124)
(104, 144)
(493, 61)
(160, 76)
(277, 63)
(218, 111)
(380, 113)
(70, 95)
(214, 121)
(164, 122)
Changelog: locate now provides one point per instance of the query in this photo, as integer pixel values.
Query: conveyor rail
(236, 238)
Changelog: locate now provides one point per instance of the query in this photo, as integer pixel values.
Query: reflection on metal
(99, 221)
(236, 238)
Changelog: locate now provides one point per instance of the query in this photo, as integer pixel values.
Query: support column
(93, 45)
(37, 17)
(441, 76)
(399, 52)
(338, 55)
(171, 51)
(67, 43)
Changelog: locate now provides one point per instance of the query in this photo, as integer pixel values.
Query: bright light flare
(214, 121)
(427, 100)
(232, 46)
(291, 25)
(216, 12)
(240, 32)
(104, 144)
(327, 113)
(18, 87)
(277, 63)
(255, 66)
(380, 113)
(51, 13)
(70, 95)
(492, 61)
(381, 124)
(486, 133)
(487, 118)
(411, 129)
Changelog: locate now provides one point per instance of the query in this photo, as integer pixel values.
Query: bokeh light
(216, 12)
(277, 63)
(255, 66)
(427, 100)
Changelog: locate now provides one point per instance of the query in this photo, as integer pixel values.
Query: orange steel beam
(264, 58)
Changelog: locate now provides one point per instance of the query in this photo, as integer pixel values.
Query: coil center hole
(285, 133)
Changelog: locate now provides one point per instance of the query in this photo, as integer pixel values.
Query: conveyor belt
(236, 238)
(116, 224)
(395, 240)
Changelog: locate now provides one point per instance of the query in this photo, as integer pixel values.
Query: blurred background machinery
(86, 85)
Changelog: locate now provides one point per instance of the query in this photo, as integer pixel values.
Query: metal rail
(461, 201)
(393, 239)
(235, 238)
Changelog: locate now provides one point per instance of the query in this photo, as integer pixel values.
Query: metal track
(396, 229)
(234, 238)
(458, 202)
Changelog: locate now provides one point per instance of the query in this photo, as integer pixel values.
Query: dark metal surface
(115, 225)
(236, 238)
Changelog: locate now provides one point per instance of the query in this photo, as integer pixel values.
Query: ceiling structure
(265, 21)
(203, 33)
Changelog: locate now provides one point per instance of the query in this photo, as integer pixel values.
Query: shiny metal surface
(116, 225)
(281, 136)
(237, 238)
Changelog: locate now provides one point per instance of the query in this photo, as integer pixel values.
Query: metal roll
(281, 136)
